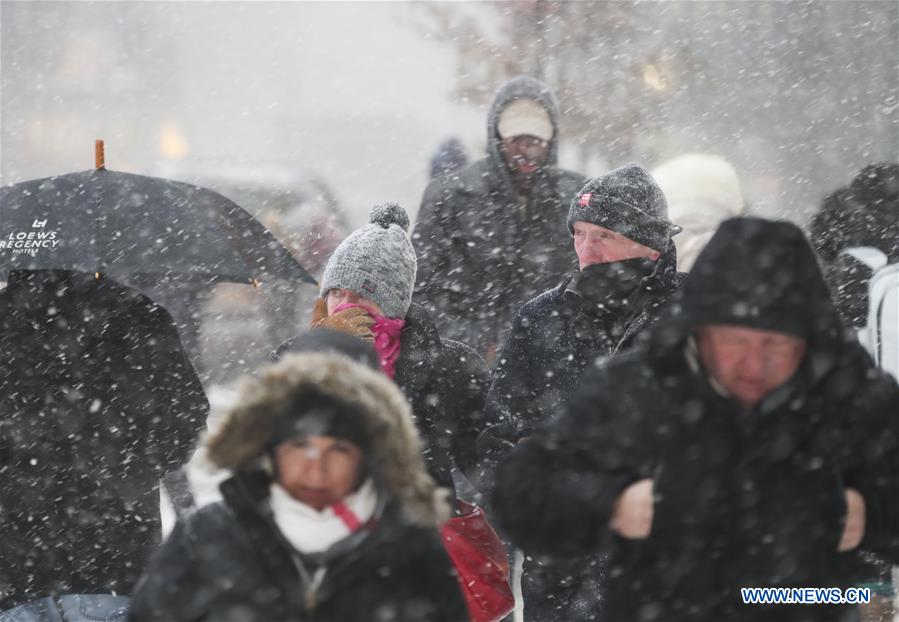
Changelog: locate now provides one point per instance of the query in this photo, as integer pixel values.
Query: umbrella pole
(99, 155)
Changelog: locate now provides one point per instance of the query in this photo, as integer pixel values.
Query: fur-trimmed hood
(395, 456)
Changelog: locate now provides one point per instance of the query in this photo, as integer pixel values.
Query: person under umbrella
(330, 514)
(99, 402)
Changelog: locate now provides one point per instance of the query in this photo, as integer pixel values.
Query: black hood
(759, 274)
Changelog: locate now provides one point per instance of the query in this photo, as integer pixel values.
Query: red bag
(480, 559)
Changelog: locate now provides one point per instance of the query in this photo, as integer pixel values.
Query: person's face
(340, 296)
(524, 155)
(594, 244)
(748, 362)
(318, 470)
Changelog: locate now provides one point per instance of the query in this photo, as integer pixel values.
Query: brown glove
(353, 321)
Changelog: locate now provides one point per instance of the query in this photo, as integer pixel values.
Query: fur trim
(395, 457)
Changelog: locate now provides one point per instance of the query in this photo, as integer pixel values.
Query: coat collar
(420, 346)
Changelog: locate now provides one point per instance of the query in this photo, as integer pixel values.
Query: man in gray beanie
(366, 291)
(627, 273)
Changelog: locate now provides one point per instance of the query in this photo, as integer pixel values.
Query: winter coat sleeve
(876, 475)
(169, 590)
(433, 579)
(555, 490)
(466, 375)
(510, 408)
(848, 280)
(180, 405)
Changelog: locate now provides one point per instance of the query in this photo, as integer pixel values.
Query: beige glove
(633, 511)
(854, 529)
(353, 321)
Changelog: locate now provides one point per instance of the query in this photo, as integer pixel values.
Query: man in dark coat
(751, 443)
(266, 553)
(855, 233)
(490, 236)
(99, 401)
(622, 239)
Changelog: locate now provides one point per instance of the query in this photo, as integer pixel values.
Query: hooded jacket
(702, 191)
(228, 561)
(743, 499)
(99, 401)
(482, 252)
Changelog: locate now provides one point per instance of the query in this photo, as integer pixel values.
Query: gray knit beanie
(628, 201)
(376, 261)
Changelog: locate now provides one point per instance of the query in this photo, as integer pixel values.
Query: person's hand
(854, 529)
(354, 321)
(632, 514)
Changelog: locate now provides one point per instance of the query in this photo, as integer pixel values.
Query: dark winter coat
(446, 383)
(743, 499)
(483, 251)
(554, 338)
(866, 215)
(229, 561)
(99, 401)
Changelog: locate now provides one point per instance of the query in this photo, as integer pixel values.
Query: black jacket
(99, 402)
(743, 499)
(853, 221)
(446, 383)
(227, 562)
(554, 338)
(482, 251)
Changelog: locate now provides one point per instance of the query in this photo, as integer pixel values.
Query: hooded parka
(483, 251)
(229, 561)
(743, 498)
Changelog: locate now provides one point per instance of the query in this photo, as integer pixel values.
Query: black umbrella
(123, 224)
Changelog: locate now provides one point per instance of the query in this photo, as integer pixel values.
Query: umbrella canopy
(123, 224)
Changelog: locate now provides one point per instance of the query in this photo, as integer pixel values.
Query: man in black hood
(489, 236)
(622, 239)
(750, 443)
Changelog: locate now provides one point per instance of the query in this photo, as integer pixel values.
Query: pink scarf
(388, 336)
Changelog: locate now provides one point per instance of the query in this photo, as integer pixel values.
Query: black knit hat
(627, 201)
(312, 413)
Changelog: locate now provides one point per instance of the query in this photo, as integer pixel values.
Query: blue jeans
(70, 608)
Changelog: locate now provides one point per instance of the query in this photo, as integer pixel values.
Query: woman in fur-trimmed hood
(330, 515)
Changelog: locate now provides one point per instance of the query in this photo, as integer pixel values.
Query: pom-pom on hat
(376, 261)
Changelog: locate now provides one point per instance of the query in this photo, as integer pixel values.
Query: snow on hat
(525, 117)
(376, 261)
(627, 201)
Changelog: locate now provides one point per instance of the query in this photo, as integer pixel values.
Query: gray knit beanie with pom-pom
(376, 261)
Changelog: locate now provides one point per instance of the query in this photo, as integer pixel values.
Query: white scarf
(311, 531)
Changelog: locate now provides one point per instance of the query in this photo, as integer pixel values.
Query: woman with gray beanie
(366, 291)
